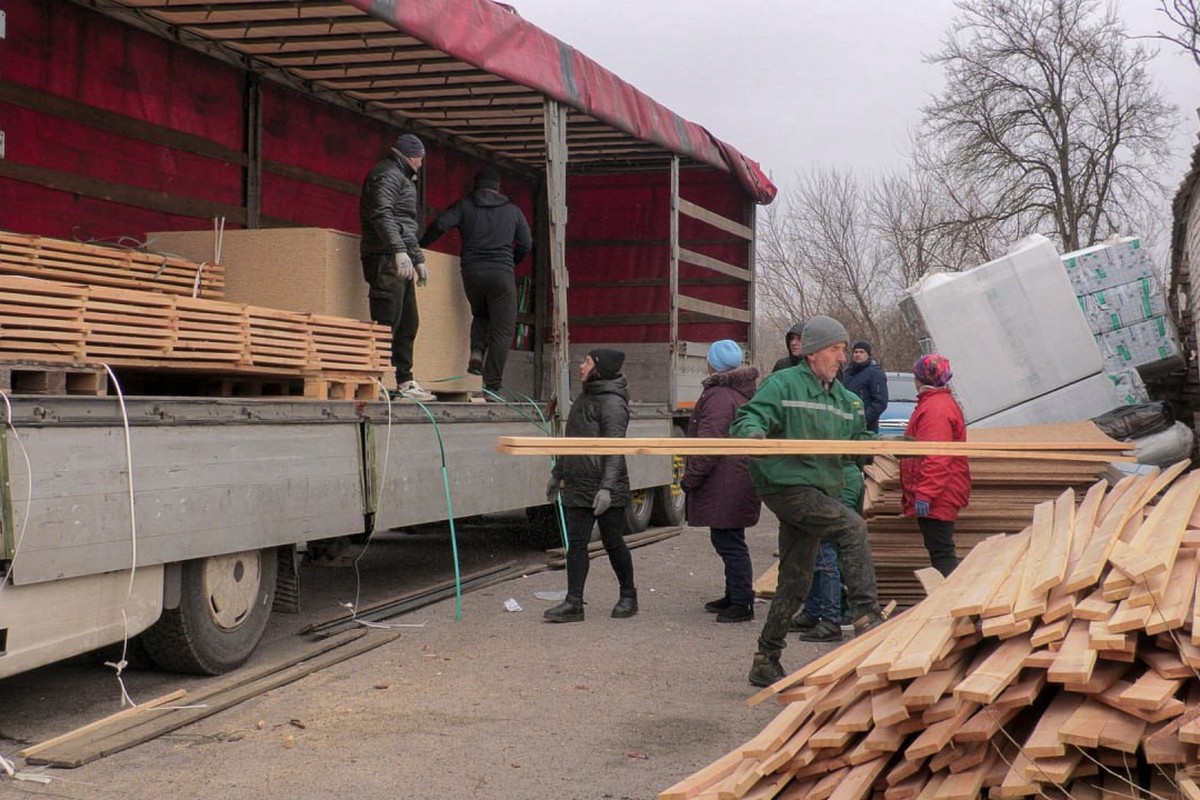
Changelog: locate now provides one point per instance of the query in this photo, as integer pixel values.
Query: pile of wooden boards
(52, 322)
(1061, 661)
(98, 265)
(1003, 494)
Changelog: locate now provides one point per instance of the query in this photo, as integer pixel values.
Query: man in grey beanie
(392, 261)
(808, 402)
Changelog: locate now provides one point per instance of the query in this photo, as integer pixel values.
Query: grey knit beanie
(819, 333)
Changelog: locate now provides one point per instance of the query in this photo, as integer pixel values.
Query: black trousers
(393, 303)
(939, 541)
(492, 294)
(612, 533)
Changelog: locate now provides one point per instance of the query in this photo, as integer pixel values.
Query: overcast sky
(791, 84)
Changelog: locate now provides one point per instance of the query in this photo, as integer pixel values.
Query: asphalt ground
(497, 704)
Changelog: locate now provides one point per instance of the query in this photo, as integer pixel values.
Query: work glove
(756, 435)
(601, 502)
(422, 273)
(552, 487)
(404, 267)
(922, 507)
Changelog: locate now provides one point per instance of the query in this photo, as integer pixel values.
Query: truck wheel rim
(231, 585)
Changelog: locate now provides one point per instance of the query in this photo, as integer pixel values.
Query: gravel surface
(498, 705)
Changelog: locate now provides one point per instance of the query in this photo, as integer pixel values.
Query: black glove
(552, 488)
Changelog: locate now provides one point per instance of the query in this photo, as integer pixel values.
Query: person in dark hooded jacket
(720, 495)
(793, 357)
(866, 378)
(595, 489)
(495, 237)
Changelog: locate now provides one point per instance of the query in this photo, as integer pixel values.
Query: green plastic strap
(449, 512)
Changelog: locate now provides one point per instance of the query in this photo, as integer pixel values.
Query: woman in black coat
(595, 489)
(720, 495)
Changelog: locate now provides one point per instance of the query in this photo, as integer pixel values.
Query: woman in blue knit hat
(719, 493)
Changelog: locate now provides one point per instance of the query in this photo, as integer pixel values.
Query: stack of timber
(54, 322)
(1058, 662)
(1003, 494)
(97, 265)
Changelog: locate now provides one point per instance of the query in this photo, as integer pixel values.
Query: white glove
(601, 501)
(422, 273)
(404, 267)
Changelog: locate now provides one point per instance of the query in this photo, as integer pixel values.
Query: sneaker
(736, 613)
(720, 604)
(803, 621)
(475, 363)
(411, 390)
(872, 619)
(765, 670)
(823, 631)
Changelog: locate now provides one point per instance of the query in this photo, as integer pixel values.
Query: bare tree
(1049, 119)
(1184, 16)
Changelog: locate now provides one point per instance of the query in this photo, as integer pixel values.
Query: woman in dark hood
(595, 489)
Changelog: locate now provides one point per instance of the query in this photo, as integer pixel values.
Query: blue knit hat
(410, 146)
(724, 354)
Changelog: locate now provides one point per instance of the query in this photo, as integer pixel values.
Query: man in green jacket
(808, 402)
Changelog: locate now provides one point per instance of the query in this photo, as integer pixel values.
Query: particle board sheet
(59, 323)
(1032, 713)
(103, 265)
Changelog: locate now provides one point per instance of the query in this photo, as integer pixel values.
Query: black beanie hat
(608, 362)
(862, 344)
(487, 178)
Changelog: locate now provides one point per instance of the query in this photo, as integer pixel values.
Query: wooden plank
(887, 706)
(1075, 661)
(712, 309)
(1178, 598)
(170, 698)
(976, 597)
(996, 673)
(938, 736)
(694, 211)
(716, 265)
(1043, 741)
(1091, 564)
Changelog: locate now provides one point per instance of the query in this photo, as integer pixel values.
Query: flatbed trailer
(178, 516)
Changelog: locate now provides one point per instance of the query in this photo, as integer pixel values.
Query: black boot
(569, 610)
(627, 605)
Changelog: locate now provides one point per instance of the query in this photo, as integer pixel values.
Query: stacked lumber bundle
(1060, 661)
(96, 265)
(1003, 494)
(55, 322)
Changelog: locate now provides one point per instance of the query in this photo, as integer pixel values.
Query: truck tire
(669, 500)
(224, 604)
(668, 506)
(639, 510)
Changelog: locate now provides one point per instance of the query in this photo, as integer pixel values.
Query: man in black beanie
(595, 490)
(391, 255)
(495, 237)
(865, 378)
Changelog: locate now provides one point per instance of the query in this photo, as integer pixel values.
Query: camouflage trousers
(808, 516)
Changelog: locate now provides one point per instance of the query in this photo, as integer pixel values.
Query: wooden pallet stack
(97, 265)
(1058, 662)
(1003, 494)
(65, 305)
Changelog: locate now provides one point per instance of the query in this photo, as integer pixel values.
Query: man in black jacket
(865, 378)
(391, 256)
(793, 346)
(495, 236)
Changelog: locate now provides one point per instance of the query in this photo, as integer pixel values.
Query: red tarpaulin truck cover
(494, 38)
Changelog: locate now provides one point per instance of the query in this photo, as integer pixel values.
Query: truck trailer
(176, 515)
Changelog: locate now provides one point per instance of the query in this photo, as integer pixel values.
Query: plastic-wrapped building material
(1013, 332)
(1131, 389)
(1165, 447)
(1083, 399)
(1125, 307)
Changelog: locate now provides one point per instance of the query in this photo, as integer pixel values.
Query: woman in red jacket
(936, 487)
